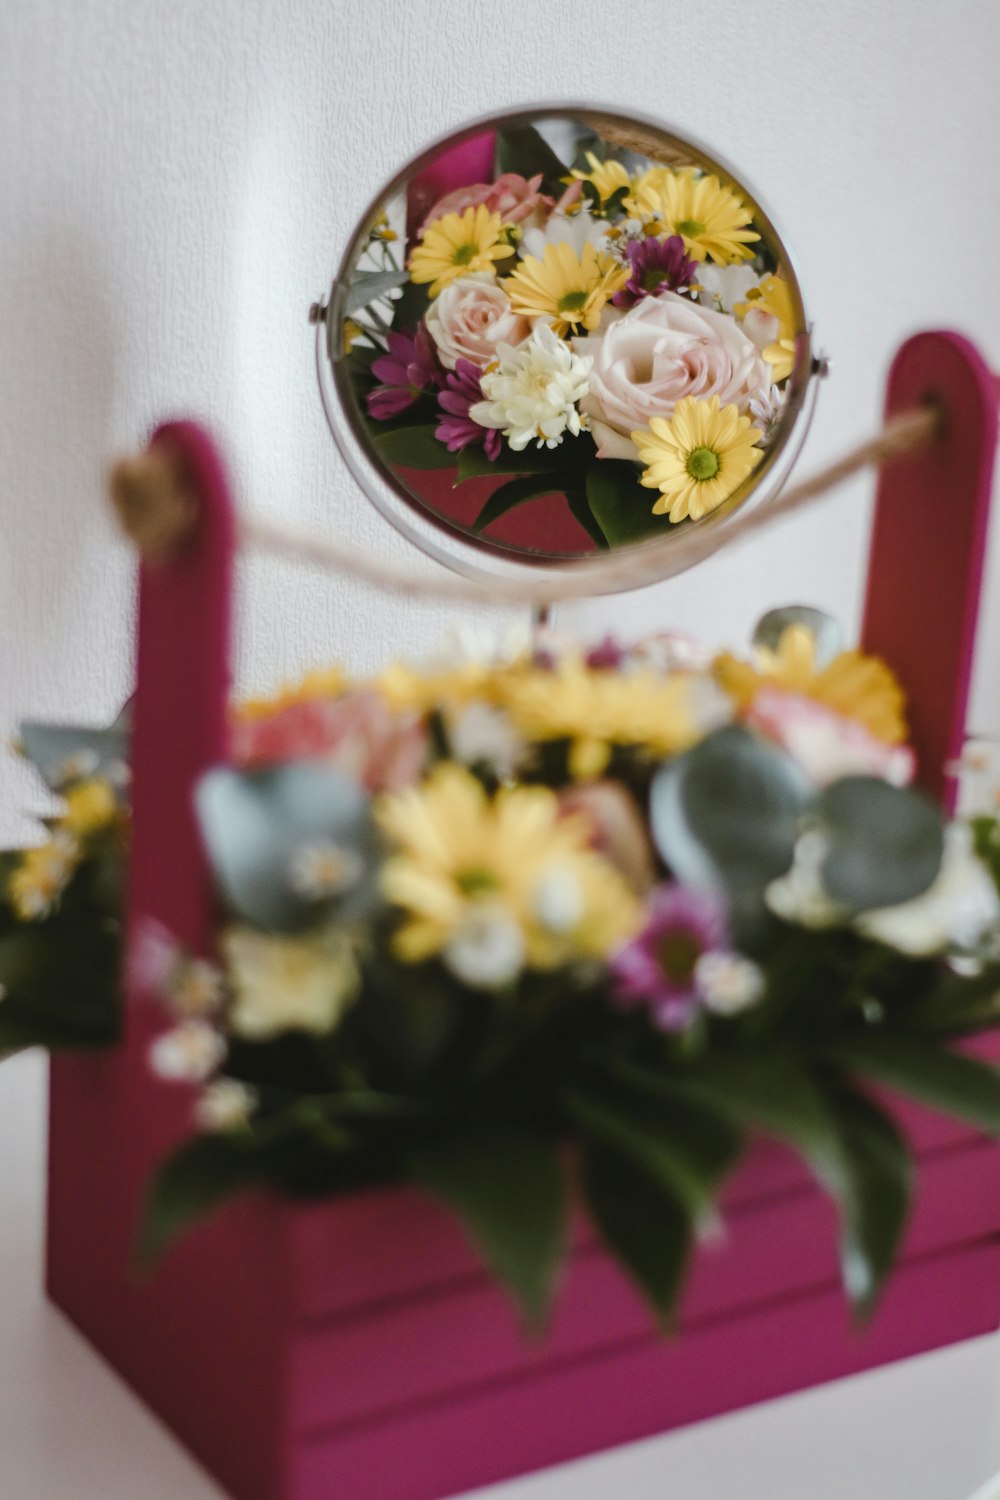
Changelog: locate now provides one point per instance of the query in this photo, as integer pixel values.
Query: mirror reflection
(569, 333)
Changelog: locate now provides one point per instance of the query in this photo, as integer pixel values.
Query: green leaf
(643, 1223)
(935, 1076)
(620, 506)
(369, 286)
(579, 505)
(507, 1188)
(60, 979)
(768, 1094)
(473, 463)
(413, 448)
(515, 493)
(886, 842)
(194, 1182)
(876, 1200)
(686, 1150)
(524, 151)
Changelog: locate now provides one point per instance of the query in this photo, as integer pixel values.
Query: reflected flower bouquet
(595, 329)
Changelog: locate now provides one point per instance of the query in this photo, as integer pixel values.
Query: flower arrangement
(540, 926)
(612, 330)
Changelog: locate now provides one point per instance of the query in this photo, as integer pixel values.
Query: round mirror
(564, 331)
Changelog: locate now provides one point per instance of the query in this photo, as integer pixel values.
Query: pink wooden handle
(181, 702)
(928, 544)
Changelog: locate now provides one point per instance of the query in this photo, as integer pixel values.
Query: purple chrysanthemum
(607, 653)
(657, 969)
(656, 266)
(408, 369)
(456, 429)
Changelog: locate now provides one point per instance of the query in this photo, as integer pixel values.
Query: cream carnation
(660, 351)
(532, 393)
(470, 319)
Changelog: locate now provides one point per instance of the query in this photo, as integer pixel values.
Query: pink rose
(615, 829)
(470, 317)
(513, 197)
(661, 350)
(826, 744)
(357, 733)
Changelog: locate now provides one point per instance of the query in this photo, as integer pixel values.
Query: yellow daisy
(569, 289)
(326, 682)
(856, 686)
(91, 806)
(596, 709)
(773, 297)
(697, 458)
(463, 858)
(712, 220)
(457, 245)
(41, 876)
(608, 177)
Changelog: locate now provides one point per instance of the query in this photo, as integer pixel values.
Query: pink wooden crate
(355, 1348)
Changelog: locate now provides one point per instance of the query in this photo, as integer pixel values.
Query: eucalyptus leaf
(514, 493)
(506, 1185)
(642, 1222)
(726, 815)
(413, 448)
(67, 752)
(824, 628)
(369, 286)
(885, 842)
(256, 825)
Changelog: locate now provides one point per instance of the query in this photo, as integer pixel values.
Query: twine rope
(142, 500)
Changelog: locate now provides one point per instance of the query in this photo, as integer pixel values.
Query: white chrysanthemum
(487, 949)
(576, 230)
(188, 1053)
(479, 734)
(766, 409)
(533, 390)
(226, 1104)
(959, 908)
(728, 982)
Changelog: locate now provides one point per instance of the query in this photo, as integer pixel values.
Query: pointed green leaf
(642, 1222)
(686, 1149)
(580, 509)
(473, 463)
(507, 1188)
(942, 1079)
(515, 493)
(369, 286)
(413, 448)
(619, 504)
(875, 1204)
(193, 1183)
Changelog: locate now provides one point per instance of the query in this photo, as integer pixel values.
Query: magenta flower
(407, 370)
(657, 266)
(456, 429)
(657, 969)
(607, 653)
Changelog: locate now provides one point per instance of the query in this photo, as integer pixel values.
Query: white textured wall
(177, 178)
